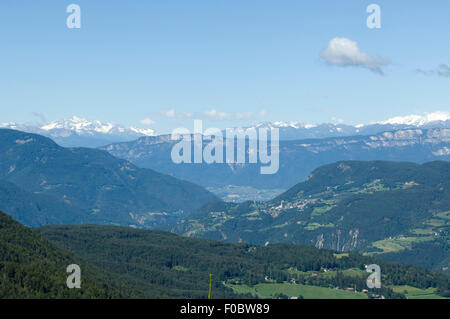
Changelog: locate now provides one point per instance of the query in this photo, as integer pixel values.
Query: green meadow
(268, 291)
(416, 293)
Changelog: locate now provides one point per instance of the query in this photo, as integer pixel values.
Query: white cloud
(174, 115)
(212, 114)
(442, 70)
(216, 115)
(169, 113)
(345, 52)
(147, 121)
(221, 116)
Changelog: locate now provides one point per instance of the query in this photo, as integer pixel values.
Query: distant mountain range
(297, 157)
(396, 210)
(80, 132)
(295, 130)
(44, 183)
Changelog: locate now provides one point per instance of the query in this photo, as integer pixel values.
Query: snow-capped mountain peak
(77, 131)
(282, 124)
(418, 120)
(84, 127)
(292, 130)
(143, 131)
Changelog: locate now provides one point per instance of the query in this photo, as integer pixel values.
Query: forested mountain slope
(96, 186)
(373, 207)
(30, 267)
(164, 264)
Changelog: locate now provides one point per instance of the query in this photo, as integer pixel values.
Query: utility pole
(210, 286)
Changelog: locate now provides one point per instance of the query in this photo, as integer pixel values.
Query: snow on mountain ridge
(282, 124)
(82, 126)
(146, 132)
(76, 132)
(412, 120)
(417, 120)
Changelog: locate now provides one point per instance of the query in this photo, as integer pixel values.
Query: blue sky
(230, 62)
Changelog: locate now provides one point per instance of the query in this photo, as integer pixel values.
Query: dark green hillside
(37, 209)
(433, 255)
(167, 265)
(92, 182)
(120, 262)
(162, 264)
(374, 207)
(30, 267)
(361, 172)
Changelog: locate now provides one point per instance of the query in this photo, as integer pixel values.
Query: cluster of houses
(300, 205)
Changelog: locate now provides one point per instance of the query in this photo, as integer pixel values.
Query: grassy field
(313, 226)
(398, 244)
(444, 215)
(267, 291)
(351, 272)
(339, 256)
(422, 231)
(429, 230)
(416, 293)
(321, 210)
